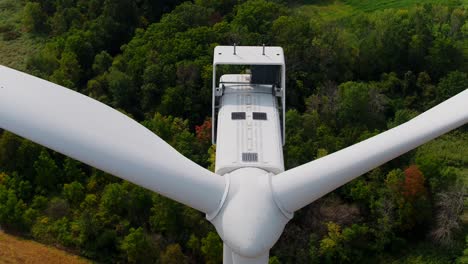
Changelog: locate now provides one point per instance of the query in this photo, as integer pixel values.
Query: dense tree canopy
(348, 78)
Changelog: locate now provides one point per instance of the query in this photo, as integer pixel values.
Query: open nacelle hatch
(257, 66)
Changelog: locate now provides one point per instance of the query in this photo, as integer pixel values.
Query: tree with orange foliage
(413, 185)
(203, 132)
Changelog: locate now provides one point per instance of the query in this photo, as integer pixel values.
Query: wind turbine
(249, 198)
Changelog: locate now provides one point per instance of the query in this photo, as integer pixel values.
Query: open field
(334, 10)
(15, 250)
(327, 12)
(15, 45)
(372, 5)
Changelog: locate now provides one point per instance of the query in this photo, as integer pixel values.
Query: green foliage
(354, 69)
(372, 5)
(360, 103)
(338, 245)
(39, 203)
(68, 73)
(138, 247)
(47, 173)
(222, 6)
(73, 192)
(72, 171)
(193, 244)
(54, 231)
(406, 204)
(11, 209)
(23, 188)
(464, 258)
(212, 248)
(102, 62)
(165, 216)
(26, 156)
(402, 116)
(454, 83)
(34, 18)
(175, 131)
(120, 87)
(439, 160)
(114, 199)
(173, 255)
(9, 144)
(274, 260)
(140, 203)
(45, 62)
(254, 18)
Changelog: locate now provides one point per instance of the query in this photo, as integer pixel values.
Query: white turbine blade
(91, 132)
(302, 185)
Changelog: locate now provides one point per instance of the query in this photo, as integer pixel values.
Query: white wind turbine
(249, 198)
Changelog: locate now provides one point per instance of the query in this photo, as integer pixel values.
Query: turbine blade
(91, 132)
(302, 185)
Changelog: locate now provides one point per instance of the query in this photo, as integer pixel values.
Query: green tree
(194, 244)
(360, 103)
(165, 216)
(114, 200)
(47, 172)
(212, 248)
(121, 89)
(173, 255)
(464, 258)
(27, 154)
(39, 203)
(102, 62)
(140, 203)
(9, 144)
(23, 188)
(452, 84)
(34, 20)
(222, 6)
(80, 45)
(253, 19)
(72, 171)
(402, 116)
(11, 210)
(343, 246)
(69, 72)
(274, 260)
(73, 192)
(137, 247)
(45, 62)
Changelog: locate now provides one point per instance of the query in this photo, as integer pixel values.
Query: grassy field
(14, 250)
(372, 5)
(15, 45)
(336, 9)
(329, 11)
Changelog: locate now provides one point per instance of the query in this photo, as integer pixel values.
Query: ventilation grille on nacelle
(249, 157)
(237, 115)
(259, 116)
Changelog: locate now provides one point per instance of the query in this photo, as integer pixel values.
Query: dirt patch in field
(15, 250)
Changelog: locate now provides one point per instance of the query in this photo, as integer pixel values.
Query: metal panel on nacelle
(248, 55)
(248, 136)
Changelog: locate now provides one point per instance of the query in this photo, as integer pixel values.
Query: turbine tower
(249, 198)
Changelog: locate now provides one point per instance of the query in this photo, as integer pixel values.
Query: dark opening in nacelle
(266, 74)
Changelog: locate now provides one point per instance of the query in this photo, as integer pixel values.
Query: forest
(354, 69)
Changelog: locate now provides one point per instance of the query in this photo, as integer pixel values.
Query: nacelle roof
(248, 55)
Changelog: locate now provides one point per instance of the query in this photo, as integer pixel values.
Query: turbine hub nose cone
(250, 222)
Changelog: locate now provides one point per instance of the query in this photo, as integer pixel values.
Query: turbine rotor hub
(249, 221)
